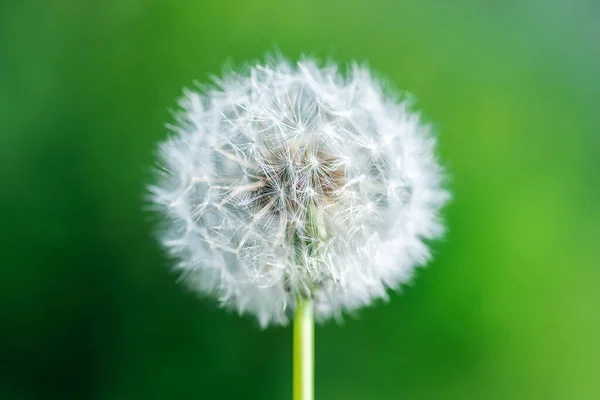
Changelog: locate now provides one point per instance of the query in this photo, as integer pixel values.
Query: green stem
(303, 350)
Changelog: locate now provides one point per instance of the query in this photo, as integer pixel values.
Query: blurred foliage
(507, 310)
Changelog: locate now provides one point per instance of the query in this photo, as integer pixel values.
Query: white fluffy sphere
(292, 180)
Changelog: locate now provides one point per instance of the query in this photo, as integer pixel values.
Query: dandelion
(293, 189)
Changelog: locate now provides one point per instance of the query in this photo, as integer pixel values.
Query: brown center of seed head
(295, 183)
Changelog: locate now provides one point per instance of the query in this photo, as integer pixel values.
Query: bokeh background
(509, 308)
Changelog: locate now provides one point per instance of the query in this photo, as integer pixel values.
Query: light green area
(510, 307)
(304, 350)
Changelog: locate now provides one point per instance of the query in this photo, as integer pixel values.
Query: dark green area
(509, 308)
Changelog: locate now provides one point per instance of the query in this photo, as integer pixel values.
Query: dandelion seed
(290, 181)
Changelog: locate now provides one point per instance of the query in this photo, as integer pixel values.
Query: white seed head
(292, 180)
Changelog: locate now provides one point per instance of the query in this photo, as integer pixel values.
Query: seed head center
(295, 183)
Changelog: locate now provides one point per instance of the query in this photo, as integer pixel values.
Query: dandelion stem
(303, 350)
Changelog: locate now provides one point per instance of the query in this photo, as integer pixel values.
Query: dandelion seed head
(290, 180)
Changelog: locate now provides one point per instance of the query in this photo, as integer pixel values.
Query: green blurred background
(509, 308)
